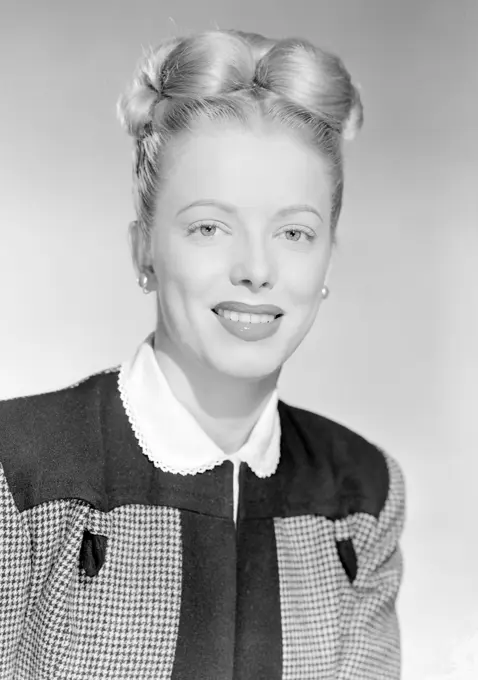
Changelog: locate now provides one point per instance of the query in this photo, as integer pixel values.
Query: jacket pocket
(348, 557)
(346, 548)
(93, 550)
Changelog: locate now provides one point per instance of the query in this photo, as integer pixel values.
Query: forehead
(245, 167)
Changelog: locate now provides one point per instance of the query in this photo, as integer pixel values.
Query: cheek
(182, 280)
(304, 283)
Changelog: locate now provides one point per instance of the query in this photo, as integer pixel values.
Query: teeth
(246, 318)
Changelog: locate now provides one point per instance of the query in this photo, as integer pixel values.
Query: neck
(226, 407)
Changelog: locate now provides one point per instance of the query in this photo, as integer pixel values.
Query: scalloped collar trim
(171, 437)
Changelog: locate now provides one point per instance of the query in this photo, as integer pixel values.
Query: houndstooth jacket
(111, 568)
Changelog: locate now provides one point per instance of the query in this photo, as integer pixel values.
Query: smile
(245, 318)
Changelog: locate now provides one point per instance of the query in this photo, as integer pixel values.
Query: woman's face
(245, 217)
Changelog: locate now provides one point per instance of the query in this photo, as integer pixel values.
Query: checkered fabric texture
(15, 574)
(333, 629)
(58, 623)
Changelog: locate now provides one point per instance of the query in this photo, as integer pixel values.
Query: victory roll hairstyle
(232, 76)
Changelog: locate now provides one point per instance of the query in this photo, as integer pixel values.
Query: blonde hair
(227, 75)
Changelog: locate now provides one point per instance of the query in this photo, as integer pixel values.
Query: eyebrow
(229, 208)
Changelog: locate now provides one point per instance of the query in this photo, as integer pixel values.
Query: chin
(253, 364)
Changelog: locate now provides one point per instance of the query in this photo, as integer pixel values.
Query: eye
(207, 229)
(297, 231)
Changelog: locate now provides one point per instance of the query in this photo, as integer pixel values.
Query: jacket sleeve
(15, 568)
(372, 646)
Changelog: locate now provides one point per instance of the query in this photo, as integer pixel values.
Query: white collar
(171, 437)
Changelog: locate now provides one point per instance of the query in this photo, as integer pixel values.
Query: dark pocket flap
(92, 552)
(348, 557)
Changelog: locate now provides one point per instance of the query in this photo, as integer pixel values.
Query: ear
(140, 248)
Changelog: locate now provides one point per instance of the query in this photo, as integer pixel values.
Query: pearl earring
(325, 292)
(142, 281)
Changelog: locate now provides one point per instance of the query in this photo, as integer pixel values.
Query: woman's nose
(254, 266)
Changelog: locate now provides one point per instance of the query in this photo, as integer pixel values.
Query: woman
(173, 518)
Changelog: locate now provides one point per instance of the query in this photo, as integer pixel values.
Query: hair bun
(135, 107)
(314, 80)
(216, 63)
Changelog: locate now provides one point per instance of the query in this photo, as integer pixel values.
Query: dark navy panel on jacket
(207, 625)
(77, 442)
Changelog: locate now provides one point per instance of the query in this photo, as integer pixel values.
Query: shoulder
(44, 405)
(50, 414)
(362, 475)
(43, 436)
